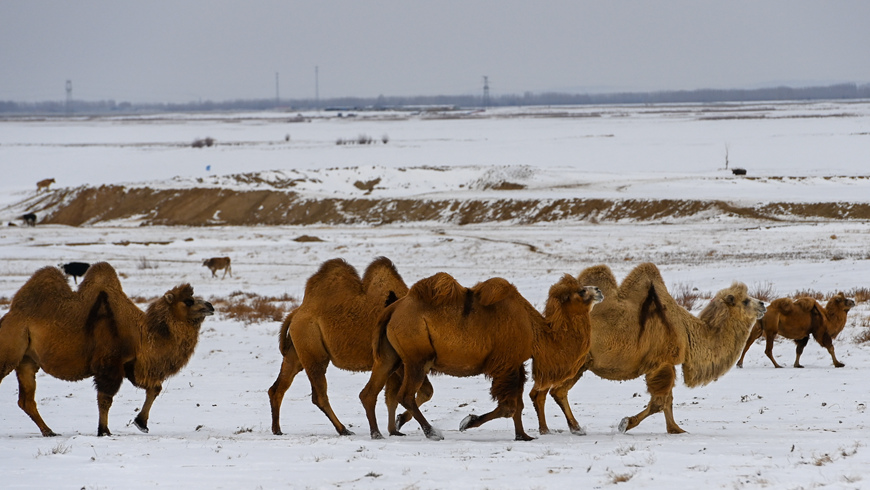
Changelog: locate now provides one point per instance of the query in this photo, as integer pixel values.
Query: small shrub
(860, 295)
(863, 336)
(809, 293)
(685, 295)
(144, 263)
(252, 308)
(385, 139)
(764, 291)
(364, 139)
(203, 142)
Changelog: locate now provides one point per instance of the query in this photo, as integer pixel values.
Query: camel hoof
(103, 432)
(523, 437)
(623, 425)
(578, 431)
(467, 421)
(144, 428)
(49, 433)
(740, 365)
(277, 432)
(543, 432)
(798, 366)
(434, 434)
(839, 364)
(345, 432)
(397, 433)
(376, 434)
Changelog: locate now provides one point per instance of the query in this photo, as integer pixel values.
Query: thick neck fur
(715, 342)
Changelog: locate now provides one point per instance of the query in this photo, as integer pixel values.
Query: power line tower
(485, 91)
(68, 97)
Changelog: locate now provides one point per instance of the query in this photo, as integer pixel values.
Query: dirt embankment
(213, 206)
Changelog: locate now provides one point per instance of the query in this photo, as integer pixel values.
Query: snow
(756, 427)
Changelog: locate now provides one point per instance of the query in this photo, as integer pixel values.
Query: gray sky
(188, 50)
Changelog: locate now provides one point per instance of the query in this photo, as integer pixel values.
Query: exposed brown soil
(211, 206)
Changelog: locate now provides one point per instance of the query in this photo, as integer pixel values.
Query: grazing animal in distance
(215, 264)
(29, 219)
(75, 269)
(488, 329)
(738, 171)
(44, 184)
(799, 319)
(97, 331)
(640, 330)
(335, 323)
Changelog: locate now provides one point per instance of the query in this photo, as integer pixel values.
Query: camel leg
(754, 335)
(799, 349)
(317, 376)
(768, 347)
(26, 373)
(290, 367)
(560, 395)
(507, 389)
(660, 385)
(151, 394)
(539, 399)
(392, 390)
(415, 375)
(383, 370)
(107, 383)
(828, 343)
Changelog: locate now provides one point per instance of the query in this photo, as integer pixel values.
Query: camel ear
(729, 300)
(169, 298)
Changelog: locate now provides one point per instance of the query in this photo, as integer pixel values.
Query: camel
(489, 329)
(799, 319)
(97, 332)
(335, 323)
(639, 330)
(44, 184)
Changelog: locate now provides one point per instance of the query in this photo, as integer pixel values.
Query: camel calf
(799, 319)
(215, 264)
(44, 184)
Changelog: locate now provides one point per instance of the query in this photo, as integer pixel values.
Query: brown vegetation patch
(307, 238)
(368, 185)
(251, 308)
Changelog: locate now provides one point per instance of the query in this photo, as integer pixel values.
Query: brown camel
(336, 322)
(799, 319)
(639, 330)
(96, 332)
(489, 329)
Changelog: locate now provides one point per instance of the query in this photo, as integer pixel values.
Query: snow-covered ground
(756, 427)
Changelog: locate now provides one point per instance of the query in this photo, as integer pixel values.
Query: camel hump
(600, 276)
(806, 304)
(45, 283)
(491, 291)
(382, 274)
(784, 305)
(332, 274)
(440, 289)
(563, 289)
(100, 275)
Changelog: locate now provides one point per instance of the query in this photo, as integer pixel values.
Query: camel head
(737, 298)
(842, 302)
(185, 307)
(569, 295)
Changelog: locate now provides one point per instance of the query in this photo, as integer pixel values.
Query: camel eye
(188, 302)
(746, 301)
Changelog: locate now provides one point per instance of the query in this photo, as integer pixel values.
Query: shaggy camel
(215, 264)
(336, 322)
(799, 319)
(489, 329)
(640, 330)
(96, 332)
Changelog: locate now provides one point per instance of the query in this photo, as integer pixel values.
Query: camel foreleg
(141, 420)
(290, 367)
(660, 385)
(26, 373)
(560, 395)
(383, 369)
(507, 389)
(768, 347)
(424, 395)
(828, 343)
(754, 335)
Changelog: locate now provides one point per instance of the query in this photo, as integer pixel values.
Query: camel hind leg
(423, 395)
(507, 390)
(26, 373)
(412, 383)
(660, 385)
(317, 376)
(290, 367)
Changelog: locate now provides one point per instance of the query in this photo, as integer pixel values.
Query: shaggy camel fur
(336, 322)
(96, 332)
(799, 319)
(639, 330)
(489, 329)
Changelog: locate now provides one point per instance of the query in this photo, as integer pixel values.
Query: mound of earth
(216, 206)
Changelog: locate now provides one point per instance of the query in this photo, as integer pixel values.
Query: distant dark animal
(44, 184)
(29, 219)
(799, 319)
(75, 269)
(215, 264)
(98, 332)
(738, 171)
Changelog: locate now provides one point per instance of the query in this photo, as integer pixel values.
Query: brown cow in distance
(215, 264)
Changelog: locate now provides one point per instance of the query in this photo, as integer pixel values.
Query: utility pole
(485, 91)
(68, 97)
(317, 87)
(277, 95)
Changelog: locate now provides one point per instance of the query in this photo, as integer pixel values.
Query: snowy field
(756, 427)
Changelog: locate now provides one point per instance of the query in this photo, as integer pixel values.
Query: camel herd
(376, 323)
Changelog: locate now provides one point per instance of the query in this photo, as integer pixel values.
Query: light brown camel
(215, 264)
(336, 322)
(799, 319)
(96, 332)
(639, 330)
(44, 184)
(489, 329)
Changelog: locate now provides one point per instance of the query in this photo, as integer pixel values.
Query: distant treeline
(839, 91)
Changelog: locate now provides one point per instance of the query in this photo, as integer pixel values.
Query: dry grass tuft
(685, 295)
(763, 291)
(809, 293)
(252, 308)
(4, 301)
(863, 336)
(860, 295)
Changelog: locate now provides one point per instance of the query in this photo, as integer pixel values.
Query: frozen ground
(757, 427)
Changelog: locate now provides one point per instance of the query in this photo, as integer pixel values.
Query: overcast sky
(190, 50)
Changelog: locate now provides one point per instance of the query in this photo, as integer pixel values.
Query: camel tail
(380, 345)
(652, 306)
(284, 341)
